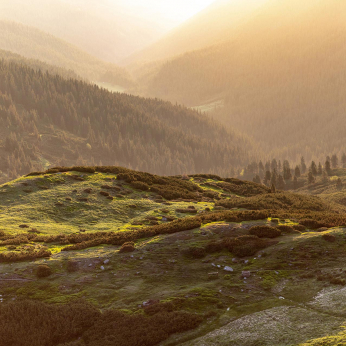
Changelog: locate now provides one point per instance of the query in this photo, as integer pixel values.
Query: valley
(172, 173)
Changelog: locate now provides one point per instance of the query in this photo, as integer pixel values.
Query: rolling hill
(280, 78)
(48, 120)
(109, 256)
(35, 44)
(109, 30)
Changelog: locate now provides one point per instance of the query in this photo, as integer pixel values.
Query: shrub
(314, 224)
(43, 271)
(33, 323)
(187, 211)
(299, 228)
(194, 252)
(246, 245)
(138, 185)
(23, 255)
(128, 247)
(338, 281)
(329, 237)
(214, 246)
(116, 328)
(265, 232)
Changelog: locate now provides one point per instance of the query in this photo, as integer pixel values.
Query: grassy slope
(296, 268)
(328, 190)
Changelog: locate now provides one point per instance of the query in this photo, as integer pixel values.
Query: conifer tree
(327, 167)
(297, 172)
(311, 178)
(334, 161)
(313, 168)
(343, 160)
(302, 165)
(325, 177)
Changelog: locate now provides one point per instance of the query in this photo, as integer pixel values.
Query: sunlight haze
(175, 11)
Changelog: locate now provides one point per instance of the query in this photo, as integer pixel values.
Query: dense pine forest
(48, 120)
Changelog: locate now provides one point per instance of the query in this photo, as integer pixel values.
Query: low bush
(187, 211)
(314, 224)
(23, 255)
(329, 238)
(43, 271)
(214, 246)
(265, 231)
(139, 185)
(128, 247)
(194, 252)
(299, 228)
(32, 323)
(247, 245)
(115, 328)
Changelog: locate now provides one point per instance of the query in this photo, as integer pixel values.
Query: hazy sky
(175, 11)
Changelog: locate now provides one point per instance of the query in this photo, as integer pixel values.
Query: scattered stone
(150, 302)
(246, 274)
(228, 269)
(102, 268)
(106, 261)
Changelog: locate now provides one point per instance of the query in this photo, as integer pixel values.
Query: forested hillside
(36, 64)
(281, 78)
(35, 44)
(48, 120)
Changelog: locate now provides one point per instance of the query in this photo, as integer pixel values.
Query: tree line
(48, 120)
(284, 176)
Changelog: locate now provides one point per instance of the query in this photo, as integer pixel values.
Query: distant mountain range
(279, 75)
(36, 44)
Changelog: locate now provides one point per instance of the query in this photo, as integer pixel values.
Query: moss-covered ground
(288, 293)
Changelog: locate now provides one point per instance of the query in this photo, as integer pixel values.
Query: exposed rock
(228, 269)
